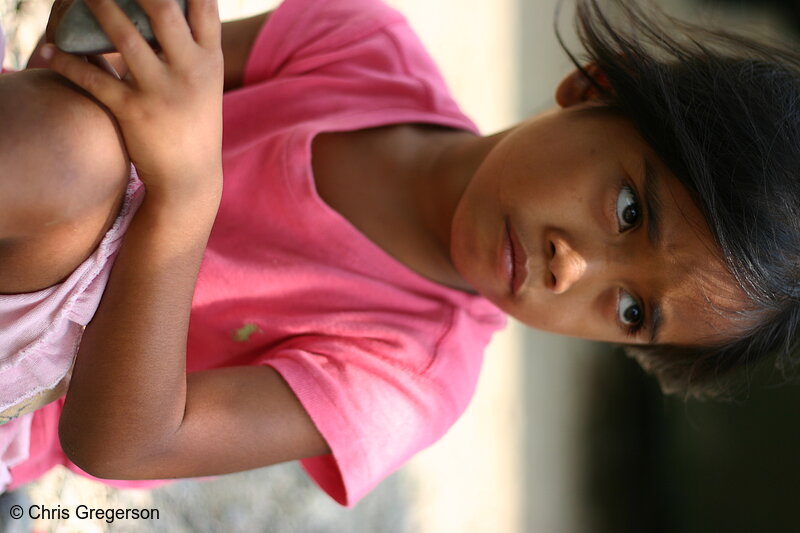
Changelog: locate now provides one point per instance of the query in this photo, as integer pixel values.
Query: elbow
(102, 454)
(92, 453)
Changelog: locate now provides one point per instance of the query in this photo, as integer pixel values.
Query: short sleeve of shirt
(375, 412)
(305, 35)
(339, 54)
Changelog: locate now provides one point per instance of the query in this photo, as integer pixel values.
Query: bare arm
(238, 37)
(131, 410)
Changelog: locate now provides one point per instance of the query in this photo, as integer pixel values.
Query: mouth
(515, 260)
(506, 263)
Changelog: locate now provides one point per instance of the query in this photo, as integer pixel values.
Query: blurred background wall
(563, 436)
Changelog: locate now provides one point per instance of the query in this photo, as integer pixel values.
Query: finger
(204, 20)
(36, 60)
(105, 87)
(103, 65)
(169, 26)
(119, 29)
(116, 61)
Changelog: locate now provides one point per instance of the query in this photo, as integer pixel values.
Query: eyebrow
(652, 203)
(655, 320)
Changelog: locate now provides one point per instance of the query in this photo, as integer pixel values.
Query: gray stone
(79, 33)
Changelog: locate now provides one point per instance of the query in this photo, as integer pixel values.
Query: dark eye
(629, 312)
(628, 211)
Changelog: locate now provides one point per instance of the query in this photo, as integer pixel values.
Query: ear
(576, 87)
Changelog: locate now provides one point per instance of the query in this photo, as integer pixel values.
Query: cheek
(553, 316)
(465, 237)
(573, 314)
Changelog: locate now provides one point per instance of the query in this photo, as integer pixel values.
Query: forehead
(698, 296)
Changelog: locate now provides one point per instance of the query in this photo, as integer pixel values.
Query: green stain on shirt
(243, 333)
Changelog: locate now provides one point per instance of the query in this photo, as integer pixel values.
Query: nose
(566, 265)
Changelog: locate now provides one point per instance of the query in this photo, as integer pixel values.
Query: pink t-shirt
(383, 359)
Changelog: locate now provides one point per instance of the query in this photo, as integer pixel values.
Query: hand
(112, 62)
(169, 105)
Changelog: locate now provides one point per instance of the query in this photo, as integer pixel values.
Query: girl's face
(573, 225)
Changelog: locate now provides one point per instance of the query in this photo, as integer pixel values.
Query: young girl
(332, 304)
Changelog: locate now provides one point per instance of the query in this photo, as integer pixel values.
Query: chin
(464, 264)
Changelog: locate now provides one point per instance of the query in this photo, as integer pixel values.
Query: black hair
(723, 112)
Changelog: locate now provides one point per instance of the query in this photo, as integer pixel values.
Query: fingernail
(47, 52)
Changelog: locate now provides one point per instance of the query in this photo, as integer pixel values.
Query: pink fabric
(383, 359)
(15, 444)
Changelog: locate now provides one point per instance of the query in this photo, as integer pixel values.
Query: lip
(513, 260)
(519, 260)
(506, 263)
